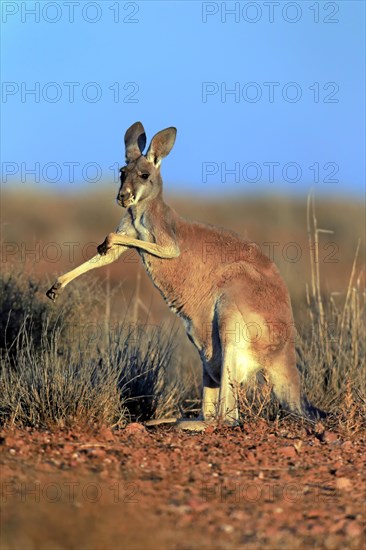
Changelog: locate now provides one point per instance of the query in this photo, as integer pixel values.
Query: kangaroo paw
(54, 292)
(105, 246)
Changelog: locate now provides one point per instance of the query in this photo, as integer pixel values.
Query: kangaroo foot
(180, 424)
(161, 421)
(314, 414)
(192, 425)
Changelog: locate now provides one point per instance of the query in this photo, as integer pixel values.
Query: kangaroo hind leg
(286, 379)
(239, 361)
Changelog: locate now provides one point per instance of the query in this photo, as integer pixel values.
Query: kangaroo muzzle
(126, 198)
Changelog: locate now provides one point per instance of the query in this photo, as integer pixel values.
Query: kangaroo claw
(54, 292)
(102, 249)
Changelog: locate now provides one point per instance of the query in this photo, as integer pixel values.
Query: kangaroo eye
(144, 176)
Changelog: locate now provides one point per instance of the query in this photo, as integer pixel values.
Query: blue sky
(294, 119)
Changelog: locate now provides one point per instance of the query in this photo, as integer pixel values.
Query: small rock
(329, 437)
(96, 453)
(227, 528)
(210, 429)
(298, 444)
(315, 513)
(107, 434)
(354, 529)
(332, 542)
(180, 509)
(135, 428)
(317, 529)
(240, 515)
(336, 465)
(337, 526)
(343, 484)
(250, 457)
(271, 531)
(289, 452)
(197, 505)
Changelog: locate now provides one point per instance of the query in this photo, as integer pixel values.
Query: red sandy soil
(281, 485)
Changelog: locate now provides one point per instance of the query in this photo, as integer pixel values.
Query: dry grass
(331, 349)
(52, 376)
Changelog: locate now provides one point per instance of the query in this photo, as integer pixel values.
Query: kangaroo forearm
(167, 252)
(93, 263)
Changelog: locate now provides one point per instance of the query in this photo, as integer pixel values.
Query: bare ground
(280, 485)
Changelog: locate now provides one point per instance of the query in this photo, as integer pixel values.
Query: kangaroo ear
(161, 145)
(135, 141)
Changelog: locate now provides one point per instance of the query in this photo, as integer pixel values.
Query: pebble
(227, 528)
(288, 451)
(354, 529)
(343, 484)
(347, 446)
(329, 437)
(135, 428)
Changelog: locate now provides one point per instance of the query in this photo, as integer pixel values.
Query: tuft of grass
(331, 348)
(55, 372)
(50, 384)
(255, 399)
(145, 360)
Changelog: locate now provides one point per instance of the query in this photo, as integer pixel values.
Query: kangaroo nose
(125, 193)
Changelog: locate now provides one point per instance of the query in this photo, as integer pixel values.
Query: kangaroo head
(140, 178)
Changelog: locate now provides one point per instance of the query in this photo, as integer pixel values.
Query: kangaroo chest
(178, 293)
(165, 278)
(159, 270)
(183, 282)
(142, 228)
